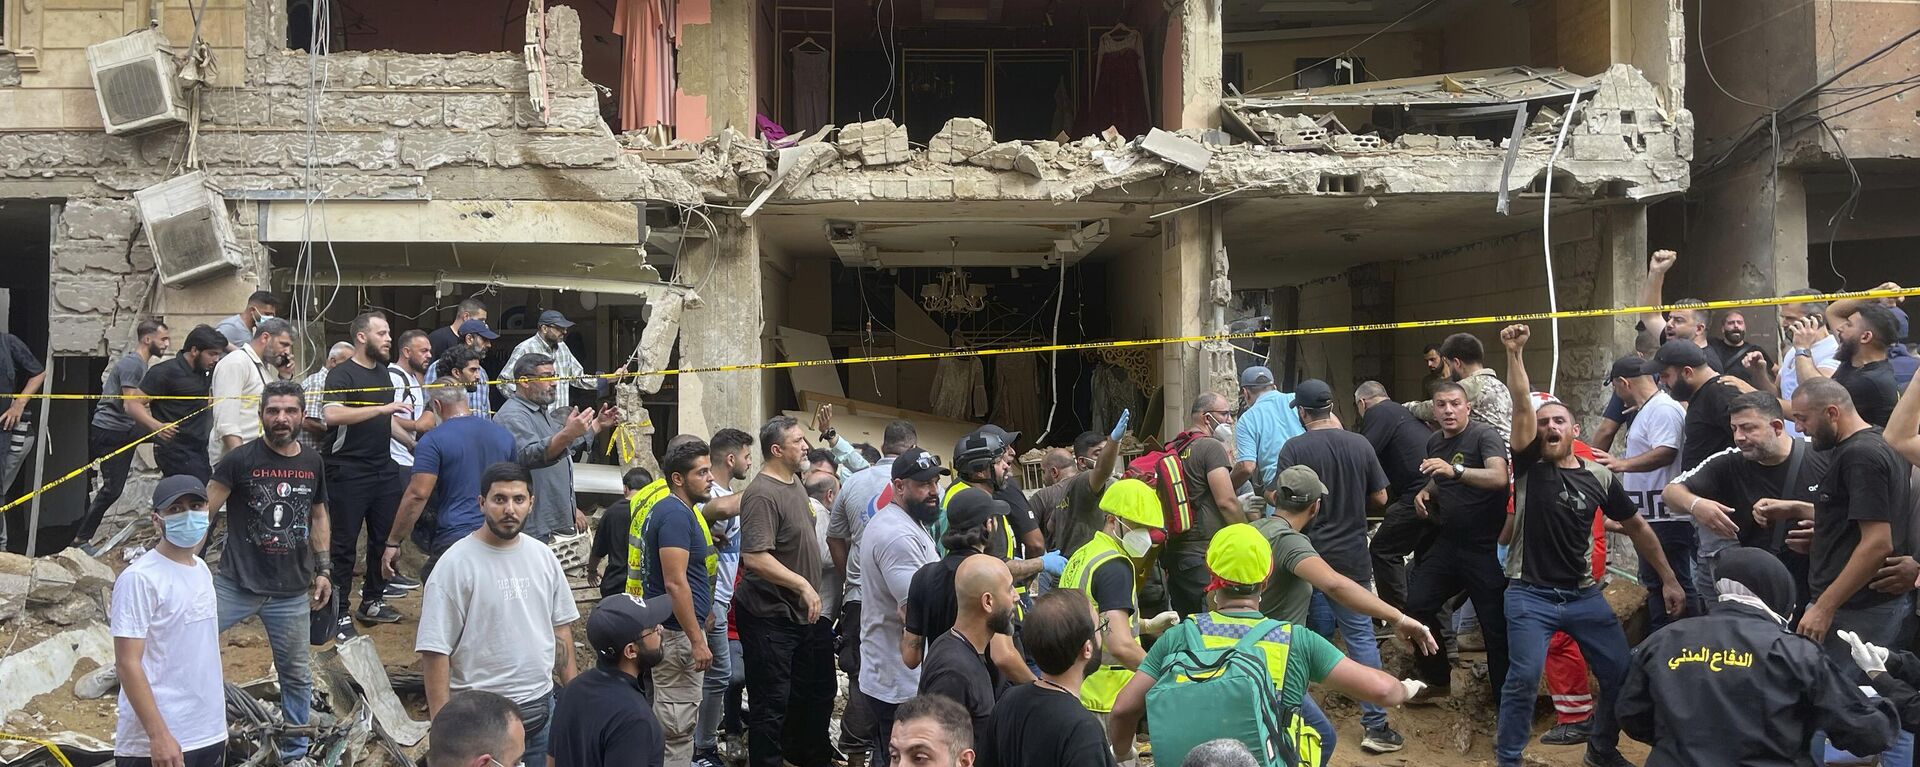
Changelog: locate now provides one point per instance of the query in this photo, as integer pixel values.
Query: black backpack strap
(1787, 484)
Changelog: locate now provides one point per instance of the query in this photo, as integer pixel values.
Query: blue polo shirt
(1259, 433)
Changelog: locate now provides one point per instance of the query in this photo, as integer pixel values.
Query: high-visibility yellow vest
(1008, 542)
(642, 505)
(1101, 687)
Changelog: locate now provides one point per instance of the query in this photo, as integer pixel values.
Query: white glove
(1159, 623)
(1870, 658)
(1412, 686)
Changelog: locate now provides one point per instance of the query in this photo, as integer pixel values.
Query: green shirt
(1287, 596)
(1310, 659)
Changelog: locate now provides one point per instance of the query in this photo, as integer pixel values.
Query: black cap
(1678, 353)
(972, 507)
(555, 318)
(618, 620)
(1630, 366)
(1313, 394)
(918, 465)
(175, 487)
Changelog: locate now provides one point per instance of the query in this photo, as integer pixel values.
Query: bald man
(958, 663)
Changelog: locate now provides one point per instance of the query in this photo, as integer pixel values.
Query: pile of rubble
(66, 589)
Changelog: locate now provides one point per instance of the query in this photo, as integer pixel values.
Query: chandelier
(952, 294)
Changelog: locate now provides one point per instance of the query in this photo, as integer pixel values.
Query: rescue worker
(1108, 569)
(980, 462)
(1241, 560)
(1738, 687)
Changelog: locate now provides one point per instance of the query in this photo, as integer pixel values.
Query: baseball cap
(1678, 353)
(1298, 486)
(1007, 438)
(1240, 555)
(1313, 394)
(617, 621)
(554, 318)
(1258, 375)
(918, 465)
(479, 328)
(175, 487)
(972, 507)
(1629, 366)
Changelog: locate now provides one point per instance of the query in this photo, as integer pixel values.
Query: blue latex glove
(1053, 563)
(1500, 551)
(1121, 427)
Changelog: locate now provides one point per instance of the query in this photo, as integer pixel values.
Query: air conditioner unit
(133, 79)
(187, 227)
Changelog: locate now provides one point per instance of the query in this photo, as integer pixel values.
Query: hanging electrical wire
(1546, 239)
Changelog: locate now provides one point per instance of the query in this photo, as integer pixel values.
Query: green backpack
(1219, 690)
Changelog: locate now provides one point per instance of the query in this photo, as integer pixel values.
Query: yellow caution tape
(91, 464)
(50, 746)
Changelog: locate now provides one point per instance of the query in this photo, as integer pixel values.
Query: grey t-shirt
(895, 547)
(111, 413)
(860, 498)
(492, 611)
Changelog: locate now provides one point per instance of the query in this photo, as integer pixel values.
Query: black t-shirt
(1727, 358)
(931, 604)
(441, 339)
(1707, 430)
(604, 720)
(1873, 389)
(175, 378)
(366, 447)
(953, 669)
(1020, 515)
(1112, 586)
(1346, 464)
(610, 543)
(1730, 479)
(1400, 442)
(1467, 514)
(269, 517)
(1556, 526)
(1034, 724)
(1865, 481)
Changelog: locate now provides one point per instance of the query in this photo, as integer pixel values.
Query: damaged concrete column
(715, 51)
(1198, 29)
(726, 328)
(1759, 259)
(1190, 298)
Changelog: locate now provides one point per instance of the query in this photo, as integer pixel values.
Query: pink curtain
(646, 71)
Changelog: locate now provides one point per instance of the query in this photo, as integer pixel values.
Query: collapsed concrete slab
(876, 142)
(960, 140)
(44, 667)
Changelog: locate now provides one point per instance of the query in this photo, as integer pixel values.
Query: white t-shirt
(1825, 354)
(492, 611)
(172, 606)
(1660, 423)
(407, 390)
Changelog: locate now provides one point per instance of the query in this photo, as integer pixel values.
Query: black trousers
(882, 729)
(790, 680)
(182, 457)
(355, 501)
(1401, 533)
(206, 756)
(856, 724)
(1185, 567)
(1446, 569)
(112, 473)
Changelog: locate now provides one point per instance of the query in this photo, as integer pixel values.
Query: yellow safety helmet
(1134, 501)
(1240, 555)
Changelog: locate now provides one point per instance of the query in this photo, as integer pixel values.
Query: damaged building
(706, 183)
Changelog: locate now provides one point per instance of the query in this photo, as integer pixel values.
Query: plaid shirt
(565, 366)
(313, 385)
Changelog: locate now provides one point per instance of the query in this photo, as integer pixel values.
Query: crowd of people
(1186, 601)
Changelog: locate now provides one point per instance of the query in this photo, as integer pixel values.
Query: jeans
(1401, 533)
(356, 501)
(1708, 546)
(285, 619)
(1681, 545)
(1534, 613)
(790, 679)
(676, 696)
(856, 724)
(537, 736)
(706, 728)
(882, 730)
(1357, 629)
(113, 478)
(1317, 719)
(1879, 625)
(1447, 569)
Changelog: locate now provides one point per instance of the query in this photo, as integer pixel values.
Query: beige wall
(56, 91)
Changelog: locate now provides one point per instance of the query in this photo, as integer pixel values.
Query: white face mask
(1223, 432)
(1137, 541)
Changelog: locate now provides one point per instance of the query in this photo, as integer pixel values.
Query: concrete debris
(97, 684)
(1011, 155)
(960, 140)
(1176, 149)
(878, 142)
(73, 612)
(44, 667)
(362, 662)
(52, 584)
(1352, 143)
(14, 583)
(90, 575)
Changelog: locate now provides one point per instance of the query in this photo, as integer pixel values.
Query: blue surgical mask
(188, 528)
